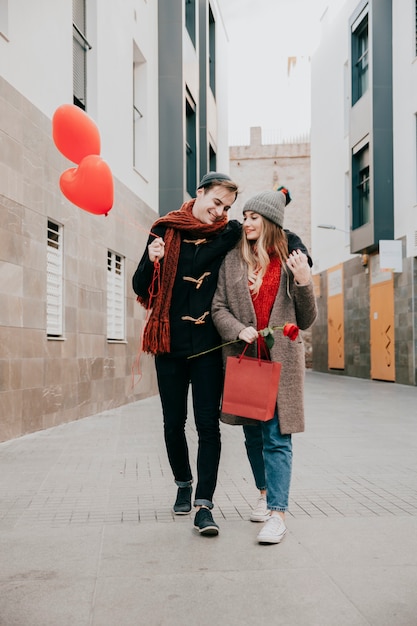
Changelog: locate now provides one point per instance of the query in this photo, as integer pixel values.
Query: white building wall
(329, 141)
(330, 159)
(36, 51)
(217, 121)
(37, 61)
(405, 126)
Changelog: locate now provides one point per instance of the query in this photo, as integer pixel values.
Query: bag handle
(258, 341)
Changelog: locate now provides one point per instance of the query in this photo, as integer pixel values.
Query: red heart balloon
(89, 186)
(74, 133)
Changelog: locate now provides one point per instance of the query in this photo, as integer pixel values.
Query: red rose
(291, 331)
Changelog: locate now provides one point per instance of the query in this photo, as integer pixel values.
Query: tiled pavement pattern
(357, 458)
(87, 537)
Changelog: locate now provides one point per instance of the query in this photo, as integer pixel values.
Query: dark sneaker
(182, 504)
(205, 523)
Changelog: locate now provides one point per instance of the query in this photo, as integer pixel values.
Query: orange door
(335, 318)
(382, 323)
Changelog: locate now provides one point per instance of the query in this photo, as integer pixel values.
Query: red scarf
(264, 300)
(156, 336)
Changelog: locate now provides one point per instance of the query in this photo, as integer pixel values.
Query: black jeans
(205, 373)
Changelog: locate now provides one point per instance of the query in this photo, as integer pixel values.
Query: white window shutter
(54, 281)
(115, 296)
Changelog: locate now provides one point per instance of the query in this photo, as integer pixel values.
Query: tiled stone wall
(357, 323)
(47, 382)
(405, 323)
(357, 327)
(319, 330)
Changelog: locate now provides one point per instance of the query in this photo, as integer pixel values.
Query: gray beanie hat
(211, 177)
(269, 204)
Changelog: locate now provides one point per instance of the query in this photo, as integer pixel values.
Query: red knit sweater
(264, 300)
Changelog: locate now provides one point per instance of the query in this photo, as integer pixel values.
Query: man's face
(212, 206)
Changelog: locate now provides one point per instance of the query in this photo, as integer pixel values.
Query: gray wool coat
(232, 311)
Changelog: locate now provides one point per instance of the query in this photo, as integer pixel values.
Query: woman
(261, 285)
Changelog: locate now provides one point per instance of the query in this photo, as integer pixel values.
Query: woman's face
(252, 225)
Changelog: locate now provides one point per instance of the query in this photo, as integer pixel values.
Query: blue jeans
(205, 375)
(270, 457)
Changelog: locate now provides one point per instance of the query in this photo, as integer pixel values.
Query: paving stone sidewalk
(88, 538)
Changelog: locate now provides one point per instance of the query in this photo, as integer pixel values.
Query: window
(213, 159)
(4, 18)
(191, 146)
(346, 98)
(212, 52)
(346, 226)
(140, 127)
(115, 296)
(415, 149)
(54, 281)
(360, 188)
(415, 19)
(190, 19)
(80, 47)
(360, 59)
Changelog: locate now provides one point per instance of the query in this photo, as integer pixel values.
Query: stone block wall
(405, 312)
(357, 324)
(44, 381)
(319, 334)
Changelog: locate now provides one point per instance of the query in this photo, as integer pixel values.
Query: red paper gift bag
(251, 387)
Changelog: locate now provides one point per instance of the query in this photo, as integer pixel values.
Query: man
(176, 278)
(190, 245)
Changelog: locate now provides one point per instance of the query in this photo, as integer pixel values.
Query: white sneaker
(260, 513)
(273, 530)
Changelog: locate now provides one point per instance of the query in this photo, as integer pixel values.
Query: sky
(262, 35)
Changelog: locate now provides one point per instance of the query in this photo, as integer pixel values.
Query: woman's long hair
(272, 241)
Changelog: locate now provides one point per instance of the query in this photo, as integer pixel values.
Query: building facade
(363, 190)
(70, 326)
(192, 97)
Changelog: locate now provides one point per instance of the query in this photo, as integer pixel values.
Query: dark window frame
(212, 159)
(360, 59)
(415, 19)
(191, 144)
(190, 21)
(212, 51)
(361, 214)
(80, 47)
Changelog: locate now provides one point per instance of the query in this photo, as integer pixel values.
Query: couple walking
(222, 281)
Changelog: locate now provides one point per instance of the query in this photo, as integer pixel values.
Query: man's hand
(156, 250)
(298, 264)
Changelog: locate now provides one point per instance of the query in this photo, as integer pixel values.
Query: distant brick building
(258, 167)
